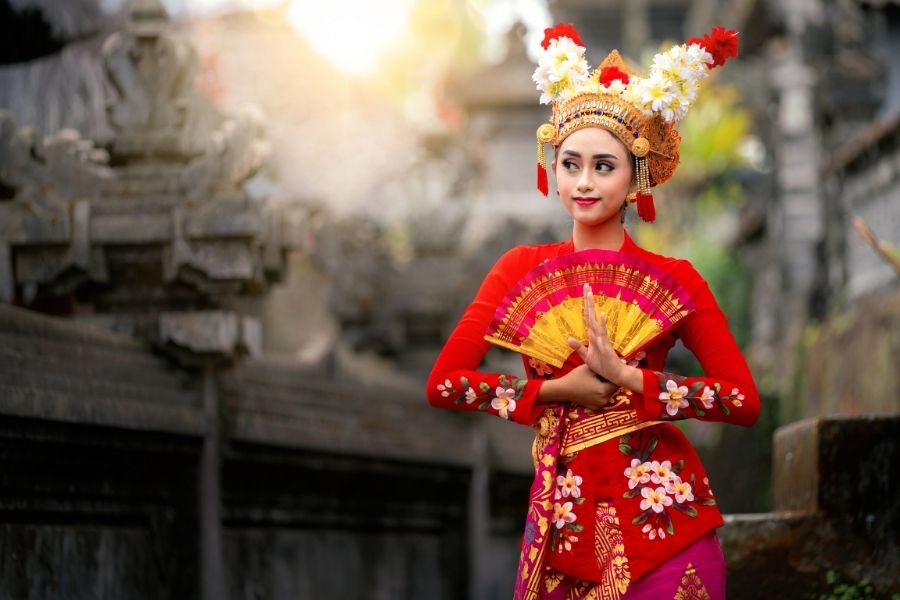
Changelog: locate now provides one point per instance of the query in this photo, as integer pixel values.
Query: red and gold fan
(546, 306)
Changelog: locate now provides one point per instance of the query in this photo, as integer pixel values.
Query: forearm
(631, 378)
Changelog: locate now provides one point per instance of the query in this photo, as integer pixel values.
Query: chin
(595, 221)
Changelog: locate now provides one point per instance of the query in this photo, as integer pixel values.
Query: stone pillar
(635, 27)
(209, 341)
(7, 283)
(796, 222)
(212, 580)
(480, 517)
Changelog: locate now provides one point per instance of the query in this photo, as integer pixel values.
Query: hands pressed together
(582, 385)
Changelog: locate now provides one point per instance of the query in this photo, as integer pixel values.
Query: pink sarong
(695, 573)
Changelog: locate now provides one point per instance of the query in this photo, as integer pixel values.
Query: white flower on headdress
(676, 74)
(699, 60)
(654, 94)
(562, 70)
(671, 64)
(615, 87)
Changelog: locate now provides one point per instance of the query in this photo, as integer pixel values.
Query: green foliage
(700, 202)
(728, 279)
(843, 590)
(711, 135)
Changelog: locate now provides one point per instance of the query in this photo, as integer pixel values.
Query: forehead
(593, 140)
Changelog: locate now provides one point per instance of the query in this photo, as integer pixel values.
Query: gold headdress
(640, 111)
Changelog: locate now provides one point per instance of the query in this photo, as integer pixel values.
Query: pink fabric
(663, 582)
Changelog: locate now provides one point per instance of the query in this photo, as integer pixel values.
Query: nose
(585, 183)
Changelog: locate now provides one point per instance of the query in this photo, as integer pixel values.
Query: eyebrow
(596, 156)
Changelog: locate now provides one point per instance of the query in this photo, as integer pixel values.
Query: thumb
(576, 345)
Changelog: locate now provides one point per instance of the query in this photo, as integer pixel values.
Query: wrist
(631, 378)
(554, 390)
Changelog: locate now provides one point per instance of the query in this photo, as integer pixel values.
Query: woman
(621, 506)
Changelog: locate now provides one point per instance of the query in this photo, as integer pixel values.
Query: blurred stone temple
(149, 449)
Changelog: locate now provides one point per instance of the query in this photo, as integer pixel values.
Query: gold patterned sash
(593, 429)
(584, 428)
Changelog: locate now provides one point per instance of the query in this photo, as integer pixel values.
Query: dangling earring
(623, 211)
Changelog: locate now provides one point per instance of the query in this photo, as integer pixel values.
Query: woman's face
(593, 175)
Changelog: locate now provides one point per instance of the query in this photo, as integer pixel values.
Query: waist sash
(562, 432)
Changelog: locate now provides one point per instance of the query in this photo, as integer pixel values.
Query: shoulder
(681, 269)
(516, 262)
(529, 256)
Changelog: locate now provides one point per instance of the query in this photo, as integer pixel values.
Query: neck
(606, 236)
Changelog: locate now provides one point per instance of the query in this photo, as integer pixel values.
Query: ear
(553, 166)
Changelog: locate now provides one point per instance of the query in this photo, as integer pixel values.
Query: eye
(569, 165)
(604, 167)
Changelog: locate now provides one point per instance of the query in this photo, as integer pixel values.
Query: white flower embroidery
(637, 473)
(471, 395)
(682, 491)
(708, 397)
(661, 472)
(444, 388)
(657, 500)
(568, 485)
(565, 540)
(504, 402)
(674, 397)
(562, 514)
(653, 532)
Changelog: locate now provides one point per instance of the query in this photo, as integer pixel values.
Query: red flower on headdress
(720, 42)
(560, 30)
(610, 74)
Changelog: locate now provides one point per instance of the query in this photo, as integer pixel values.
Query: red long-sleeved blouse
(623, 506)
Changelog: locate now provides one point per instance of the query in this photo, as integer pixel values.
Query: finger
(601, 327)
(590, 313)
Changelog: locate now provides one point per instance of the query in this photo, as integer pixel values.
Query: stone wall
(322, 487)
(836, 518)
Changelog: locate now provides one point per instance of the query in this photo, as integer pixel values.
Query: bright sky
(357, 32)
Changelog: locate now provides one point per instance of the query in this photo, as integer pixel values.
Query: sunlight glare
(353, 36)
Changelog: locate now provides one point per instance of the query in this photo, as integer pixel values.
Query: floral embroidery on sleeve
(699, 397)
(501, 398)
(540, 368)
(660, 487)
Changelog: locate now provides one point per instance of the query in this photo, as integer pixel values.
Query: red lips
(582, 201)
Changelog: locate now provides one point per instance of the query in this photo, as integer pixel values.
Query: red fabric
(645, 207)
(726, 393)
(721, 43)
(542, 183)
(560, 30)
(610, 74)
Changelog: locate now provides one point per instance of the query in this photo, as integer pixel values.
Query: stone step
(87, 363)
(82, 388)
(100, 410)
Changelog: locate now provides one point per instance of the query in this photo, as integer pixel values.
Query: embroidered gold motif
(582, 590)
(546, 429)
(691, 587)
(553, 579)
(598, 428)
(609, 551)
